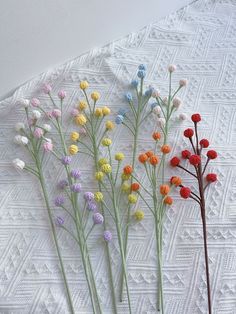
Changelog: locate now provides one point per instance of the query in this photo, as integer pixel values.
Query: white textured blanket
(201, 40)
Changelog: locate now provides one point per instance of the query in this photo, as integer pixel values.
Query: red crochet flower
(196, 117)
(211, 177)
(204, 143)
(175, 161)
(185, 192)
(211, 154)
(188, 133)
(195, 160)
(186, 154)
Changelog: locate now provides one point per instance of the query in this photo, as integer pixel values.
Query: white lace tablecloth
(201, 40)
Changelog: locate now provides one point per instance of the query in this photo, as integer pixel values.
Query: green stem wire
(135, 136)
(121, 245)
(45, 194)
(83, 245)
(95, 155)
(42, 183)
(95, 158)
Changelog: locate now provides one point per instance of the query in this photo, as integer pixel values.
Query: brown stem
(194, 149)
(205, 166)
(181, 167)
(197, 143)
(203, 215)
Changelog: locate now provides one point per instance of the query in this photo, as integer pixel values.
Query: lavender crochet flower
(98, 219)
(59, 200)
(59, 221)
(62, 184)
(107, 235)
(88, 196)
(75, 173)
(76, 188)
(66, 160)
(92, 206)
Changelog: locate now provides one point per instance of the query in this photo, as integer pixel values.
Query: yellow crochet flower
(106, 168)
(98, 112)
(80, 119)
(125, 177)
(74, 136)
(132, 198)
(102, 161)
(106, 142)
(82, 105)
(98, 196)
(110, 125)
(138, 215)
(73, 149)
(106, 111)
(119, 156)
(83, 85)
(125, 187)
(95, 96)
(99, 175)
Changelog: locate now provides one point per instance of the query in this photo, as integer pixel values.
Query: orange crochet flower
(176, 181)
(164, 189)
(168, 200)
(149, 153)
(134, 186)
(154, 160)
(128, 169)
(156, 136)
(142, 158)
(165, 149)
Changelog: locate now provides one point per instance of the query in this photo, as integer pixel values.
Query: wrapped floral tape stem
(33, 148)
(82, 239)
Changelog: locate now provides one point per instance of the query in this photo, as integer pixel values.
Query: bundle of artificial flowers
(119, 186)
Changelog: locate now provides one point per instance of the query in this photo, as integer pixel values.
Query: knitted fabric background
(201, 40)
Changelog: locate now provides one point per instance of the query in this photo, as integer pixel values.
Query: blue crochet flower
(142, 67)
(141, 74)
(128, 97)
(153, 105)
(134, 83)
(119, 119)
(122, 111)
(148, 92)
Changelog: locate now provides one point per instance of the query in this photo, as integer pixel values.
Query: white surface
(201, 41)
(36, 35)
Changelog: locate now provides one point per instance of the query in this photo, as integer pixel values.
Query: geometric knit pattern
(200, 40)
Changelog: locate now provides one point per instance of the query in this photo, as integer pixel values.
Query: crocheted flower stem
(42, 183)
(135, 142)
(81, 237)
(95, 143)
(158, 232)
(40, 176)
(121, 246)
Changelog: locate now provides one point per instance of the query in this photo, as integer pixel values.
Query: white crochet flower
(18, 164)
